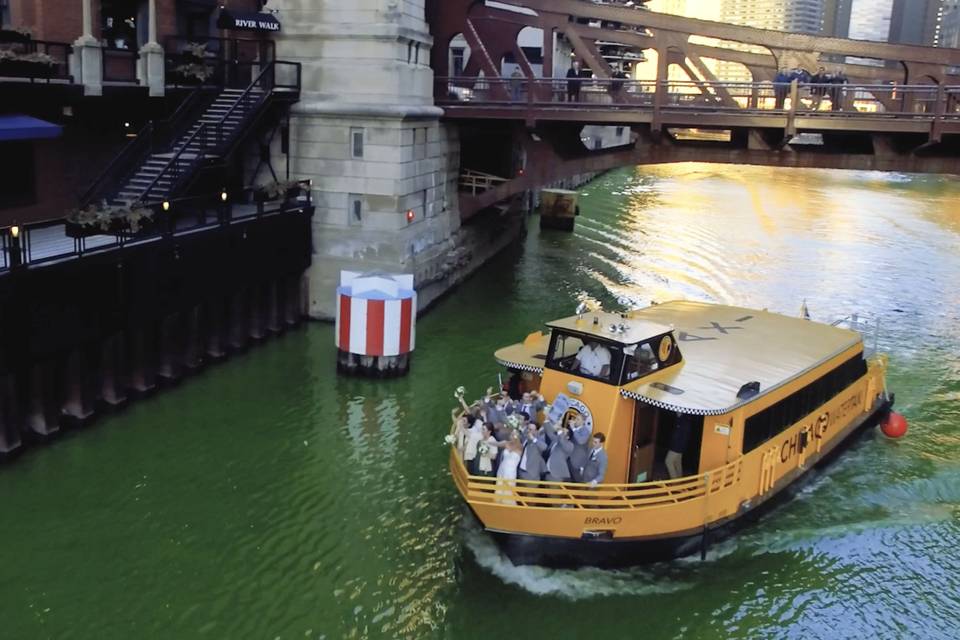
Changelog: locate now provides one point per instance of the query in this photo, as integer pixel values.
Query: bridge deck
(857, 108)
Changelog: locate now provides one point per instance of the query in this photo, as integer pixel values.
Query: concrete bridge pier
(41, 417)
(9, 433)
(366, 131)
(113, 382)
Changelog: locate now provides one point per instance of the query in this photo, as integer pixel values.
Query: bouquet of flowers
(459, 393)
(483, 448)
(449, 439)
(514, 421)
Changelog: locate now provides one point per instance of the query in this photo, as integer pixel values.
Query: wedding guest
(580, 434)
(595, 468)
(558, 453)
(532, 465)
(532, 403)
(486, 451)
(473, 438)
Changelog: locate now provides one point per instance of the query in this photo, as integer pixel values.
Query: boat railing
(645, 495)
(867, 326)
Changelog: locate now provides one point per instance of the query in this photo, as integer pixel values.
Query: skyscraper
(836, 18)
(870, 20)
(916, 22)
(950, 29)
(800, 16)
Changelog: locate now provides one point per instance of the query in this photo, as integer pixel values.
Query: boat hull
(523, 549)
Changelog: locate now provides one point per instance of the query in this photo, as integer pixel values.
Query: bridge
(895, 107)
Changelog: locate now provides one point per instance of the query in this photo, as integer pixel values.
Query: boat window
(585, 357)
(779, 417)
(648, 357)
(642, 362)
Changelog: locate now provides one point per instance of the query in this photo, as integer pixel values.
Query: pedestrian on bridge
(516, 84)
(573, 82)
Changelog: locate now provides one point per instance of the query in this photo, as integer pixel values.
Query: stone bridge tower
(367, 132)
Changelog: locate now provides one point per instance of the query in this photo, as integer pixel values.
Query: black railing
(210, 139)
(154, 137)
(40, 243)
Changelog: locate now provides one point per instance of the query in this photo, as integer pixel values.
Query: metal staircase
(165, 157)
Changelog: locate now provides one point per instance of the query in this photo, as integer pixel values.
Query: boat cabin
(685, 377)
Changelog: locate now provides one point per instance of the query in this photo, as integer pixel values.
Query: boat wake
(573, 584)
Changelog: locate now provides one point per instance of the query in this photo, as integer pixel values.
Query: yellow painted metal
(670, 507)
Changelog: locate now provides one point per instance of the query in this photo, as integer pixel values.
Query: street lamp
(166, 205)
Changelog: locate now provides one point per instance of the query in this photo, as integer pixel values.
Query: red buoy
(895, 426)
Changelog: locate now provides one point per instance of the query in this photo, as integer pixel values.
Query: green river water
(268, 498)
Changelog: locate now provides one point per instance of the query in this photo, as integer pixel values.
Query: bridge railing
(882, 100)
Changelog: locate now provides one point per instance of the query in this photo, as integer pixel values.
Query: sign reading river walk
(247, 21)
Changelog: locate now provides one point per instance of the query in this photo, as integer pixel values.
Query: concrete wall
(366, 73)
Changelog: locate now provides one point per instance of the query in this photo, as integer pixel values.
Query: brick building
(122, 23)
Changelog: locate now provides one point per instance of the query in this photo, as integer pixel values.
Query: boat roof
(725, 347)
(606, 326)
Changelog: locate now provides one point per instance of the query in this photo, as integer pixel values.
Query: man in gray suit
(596, 466)
(580, 433)
(532, 403)
(532, 465)
(558, 453)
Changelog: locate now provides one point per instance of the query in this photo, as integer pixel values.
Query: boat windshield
(585, 356)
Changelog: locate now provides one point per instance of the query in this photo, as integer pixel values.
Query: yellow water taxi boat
(761, 398)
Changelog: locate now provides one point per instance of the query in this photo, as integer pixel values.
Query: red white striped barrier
(376, 314)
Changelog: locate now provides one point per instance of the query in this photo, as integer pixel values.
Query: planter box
(9, 35)
(118, 227)
(24, 69)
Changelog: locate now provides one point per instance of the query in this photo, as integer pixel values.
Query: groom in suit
(595, 467)
(532, 465)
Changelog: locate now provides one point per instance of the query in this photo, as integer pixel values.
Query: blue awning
(17, 127)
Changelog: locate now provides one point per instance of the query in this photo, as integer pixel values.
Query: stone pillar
(170, 355)
(237, 323)
(272, 312)
(375, 149)
(292, 302)
(113, 393)
(86, 62)
(41, 410)
(9, 433)
(193, 341)
(255, 309)
(143, 370)
(214, 330)
(150, 68)
(79, 400)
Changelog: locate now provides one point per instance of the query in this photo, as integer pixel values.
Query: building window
(619, 131)
(457, 53)
(4, 13)
(355, 213)
(356, 142)
(416, 54)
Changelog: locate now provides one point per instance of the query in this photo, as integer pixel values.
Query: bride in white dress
(507, 473)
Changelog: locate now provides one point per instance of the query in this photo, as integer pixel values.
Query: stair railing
(135, 152)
